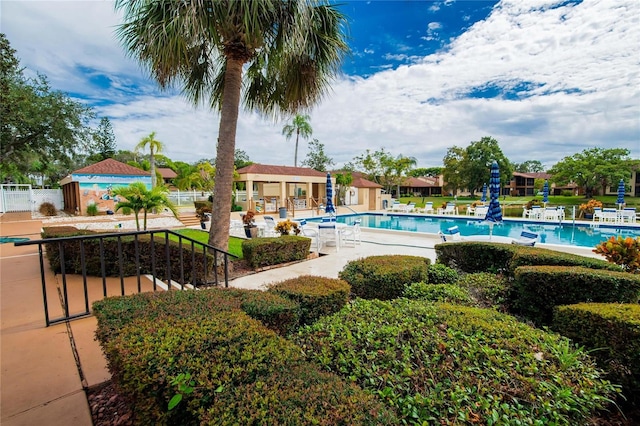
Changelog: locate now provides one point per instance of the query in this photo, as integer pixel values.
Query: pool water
(565, 233)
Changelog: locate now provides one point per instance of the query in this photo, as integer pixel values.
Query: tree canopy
(317, 159)
(302, 128)
(594, 168)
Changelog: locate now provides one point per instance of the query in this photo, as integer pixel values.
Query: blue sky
(545, 78)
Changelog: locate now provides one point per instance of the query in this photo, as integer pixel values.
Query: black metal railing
(131, 254)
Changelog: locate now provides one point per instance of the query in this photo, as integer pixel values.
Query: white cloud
(582, 61)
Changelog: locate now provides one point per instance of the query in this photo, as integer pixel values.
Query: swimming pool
(566, 233)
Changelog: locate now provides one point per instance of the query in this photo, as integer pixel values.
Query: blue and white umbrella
(329, 208)
(484, 193)
(545, 192)
(621, 191)
(494, 213)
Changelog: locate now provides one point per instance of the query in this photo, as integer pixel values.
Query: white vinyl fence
(22, 198)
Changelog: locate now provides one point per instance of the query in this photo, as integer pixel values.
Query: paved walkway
(42, 382)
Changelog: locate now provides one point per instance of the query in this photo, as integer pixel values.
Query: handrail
(119, 259)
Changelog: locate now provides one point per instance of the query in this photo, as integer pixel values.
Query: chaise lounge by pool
(566, 233)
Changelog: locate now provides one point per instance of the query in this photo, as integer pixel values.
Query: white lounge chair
(481, 211)
(307, 232)
(408, 208)
(393, 206)
(449, 209)
(526, 239)
(451, 234)
(428, 208)
(270, 227)
(535, 212)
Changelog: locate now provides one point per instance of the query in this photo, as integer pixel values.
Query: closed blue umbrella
(484, 193)
(545, 193)
(621, 191)
(329, 208)
(494, 213)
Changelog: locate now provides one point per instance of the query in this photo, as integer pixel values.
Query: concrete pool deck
(42, 381)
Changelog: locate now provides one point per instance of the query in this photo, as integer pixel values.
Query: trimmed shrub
(621, 251)
(537, 289)
(531, 256)
(47, 209)
(317, 296)
(448, 364)
(92, 210)
(612, 333)
(445, 293)
(260, 252)
(384, 277)
(488, 290)
(114, 313)
(441, 274)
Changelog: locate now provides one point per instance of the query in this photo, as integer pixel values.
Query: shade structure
(484, 193)
(494, 213)
(621, 191)
(545, 192)
(329, 208)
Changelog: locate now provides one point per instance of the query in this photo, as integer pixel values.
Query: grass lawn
(235, 244)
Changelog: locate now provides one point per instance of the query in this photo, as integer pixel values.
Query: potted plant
(589, 207)
(203, 212)
(250, 228)
(287, 227)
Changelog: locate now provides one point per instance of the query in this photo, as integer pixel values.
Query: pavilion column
(249, 189)
(283, 194)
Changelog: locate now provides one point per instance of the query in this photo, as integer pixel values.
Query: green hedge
(487, 290)
(444, 293)
(93, 260)
(260, 252)
(505, 258)
(611, 331)
(114, 313)
(384, 277)
(537, 289)
(441, 274)
(448, 364)
(317, 296)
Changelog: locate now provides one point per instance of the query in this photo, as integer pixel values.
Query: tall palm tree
(155, 147)
(301, 127)
(138, 198)
(290, 50)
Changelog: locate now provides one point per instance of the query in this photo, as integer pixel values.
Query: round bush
(441, 274)
(384, 277)
(488, 290)
(448, 293)
(442, 363)
(317, 296)
(47, 209)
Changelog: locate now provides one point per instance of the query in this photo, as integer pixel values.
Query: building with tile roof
(93, 185)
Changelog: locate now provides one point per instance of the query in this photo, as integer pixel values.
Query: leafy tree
(37, 123)
(426, 171)
(155, 147)
(138, 198)
(104, 142)
(316, 157)
(301, 127)
(289, 49)
(402, 166)
(594, 168)
(203, 178)
(383, 168)
(454, 166)
(529, 166)
(125, 156)
(184, 179)
(241, 159)
(343, 182)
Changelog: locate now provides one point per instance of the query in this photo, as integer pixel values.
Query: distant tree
(138, 198)
(383, 168)
(125, 156)
(426, 171)
(529, 166)
(284, 54)
(402, 167)
(454, 165)
(184, 179)
(479, 156)
(37, 123)
(594, 168)
(316, 157)
(204, 177)
(301, 127)
(241, 159)
(155, 147)
(104, 142)
(343, 182)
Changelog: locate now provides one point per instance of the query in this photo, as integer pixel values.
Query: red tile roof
(266, 169)
(533, 175)
(360, 182)
(111, 167)
(421, 182)
(167, 173)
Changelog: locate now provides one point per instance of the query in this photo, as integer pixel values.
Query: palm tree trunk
(295, 155)
(221, 209)
(152, 160)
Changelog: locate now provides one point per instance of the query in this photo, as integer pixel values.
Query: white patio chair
(629, 215)
(393, 205)
(449, 209)
(328, 233)
(351, 233)
(481, 211)
(428, 208)
(526, 239)
(307, 232)
(408, 208)
(270, 227)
